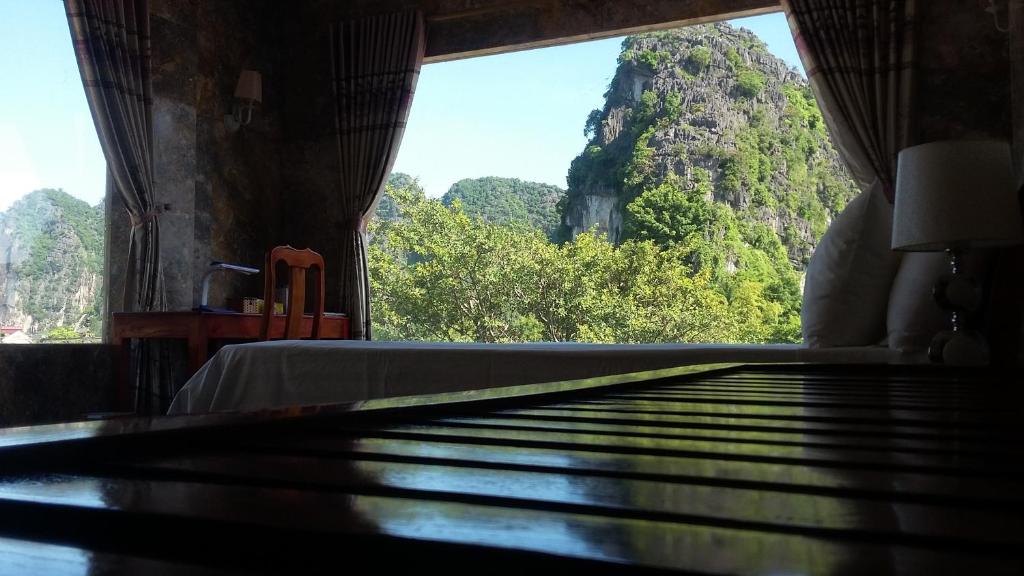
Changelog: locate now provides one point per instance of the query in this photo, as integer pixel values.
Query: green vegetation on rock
(732, 168)
(52, 245)
(508, 200)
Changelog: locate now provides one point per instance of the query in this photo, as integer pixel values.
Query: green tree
(750, 83)
(700, 57)
(439, 274)
(62, 334)
(593, 123)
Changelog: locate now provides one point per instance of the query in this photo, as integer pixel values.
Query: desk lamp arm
(216, 266)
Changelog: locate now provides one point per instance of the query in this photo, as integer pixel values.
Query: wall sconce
(248, 93)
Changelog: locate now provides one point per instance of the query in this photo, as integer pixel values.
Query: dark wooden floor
(752, 470)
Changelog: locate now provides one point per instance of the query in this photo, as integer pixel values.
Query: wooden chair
(299, 262)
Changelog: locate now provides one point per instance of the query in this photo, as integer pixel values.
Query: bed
(276, 374)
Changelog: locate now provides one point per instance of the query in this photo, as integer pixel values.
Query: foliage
(669, 214)
(699, 57)
(745, 261)
(62, 238)
(750, 83)
(672, 107)
(639, 169)
(593, 123)
(732, 56)
(62, 333)
(439, 274)
(654, 59)
(507, 200)
(387, 209)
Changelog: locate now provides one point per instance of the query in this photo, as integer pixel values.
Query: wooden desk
(198, 328)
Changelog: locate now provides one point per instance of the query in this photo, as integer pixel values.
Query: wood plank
(1002, 450)
(820, 456)
(254, 522)
(808, 392)
(753, 422)
(889, 485)
(29, 557)
(963, 416)
(762, 509)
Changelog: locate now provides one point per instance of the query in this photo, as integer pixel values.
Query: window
(52, 183)
(663, 187)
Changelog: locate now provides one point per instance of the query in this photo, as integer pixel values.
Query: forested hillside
(508, 200)
(51, 260)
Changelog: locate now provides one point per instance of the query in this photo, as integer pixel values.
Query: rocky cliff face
(709, 103)
(51, 254)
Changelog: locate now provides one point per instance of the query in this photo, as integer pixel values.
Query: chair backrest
(299, 262)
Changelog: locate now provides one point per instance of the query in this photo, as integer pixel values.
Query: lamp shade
(955, 194)
(250, 86)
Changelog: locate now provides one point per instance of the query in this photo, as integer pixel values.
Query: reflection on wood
(792, 469)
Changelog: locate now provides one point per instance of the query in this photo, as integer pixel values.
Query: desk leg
(198, 347)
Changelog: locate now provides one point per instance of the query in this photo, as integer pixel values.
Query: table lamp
(955, 196)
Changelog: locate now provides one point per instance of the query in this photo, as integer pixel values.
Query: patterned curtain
(859, 58)
(376, 62)
(111, 40)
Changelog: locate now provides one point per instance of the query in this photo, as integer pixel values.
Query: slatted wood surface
(748, 470)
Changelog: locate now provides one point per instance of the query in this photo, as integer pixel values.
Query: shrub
(700, 57)
(734, 59)
(750, 83)
(592, 124)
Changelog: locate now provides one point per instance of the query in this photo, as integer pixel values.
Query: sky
(516, 115)
(47, 138)
(521, 114)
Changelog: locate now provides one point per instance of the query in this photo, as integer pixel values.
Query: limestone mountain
(51, 262)
(709, 109)
(506, 200)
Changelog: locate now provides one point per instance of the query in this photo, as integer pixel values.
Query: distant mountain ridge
(508, 200)
(51, 263)
(494, 199)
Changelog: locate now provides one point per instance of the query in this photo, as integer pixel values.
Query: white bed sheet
(263, 375)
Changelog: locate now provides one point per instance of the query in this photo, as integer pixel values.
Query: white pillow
(846, 288)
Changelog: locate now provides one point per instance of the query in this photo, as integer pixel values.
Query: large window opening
(52, 183)
(662, 187)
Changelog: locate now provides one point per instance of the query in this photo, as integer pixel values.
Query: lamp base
(959, 348)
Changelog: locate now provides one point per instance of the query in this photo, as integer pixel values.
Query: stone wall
(218, 190)
(41, 383)
(963, 72)
(310, 210)
(1016, 39)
